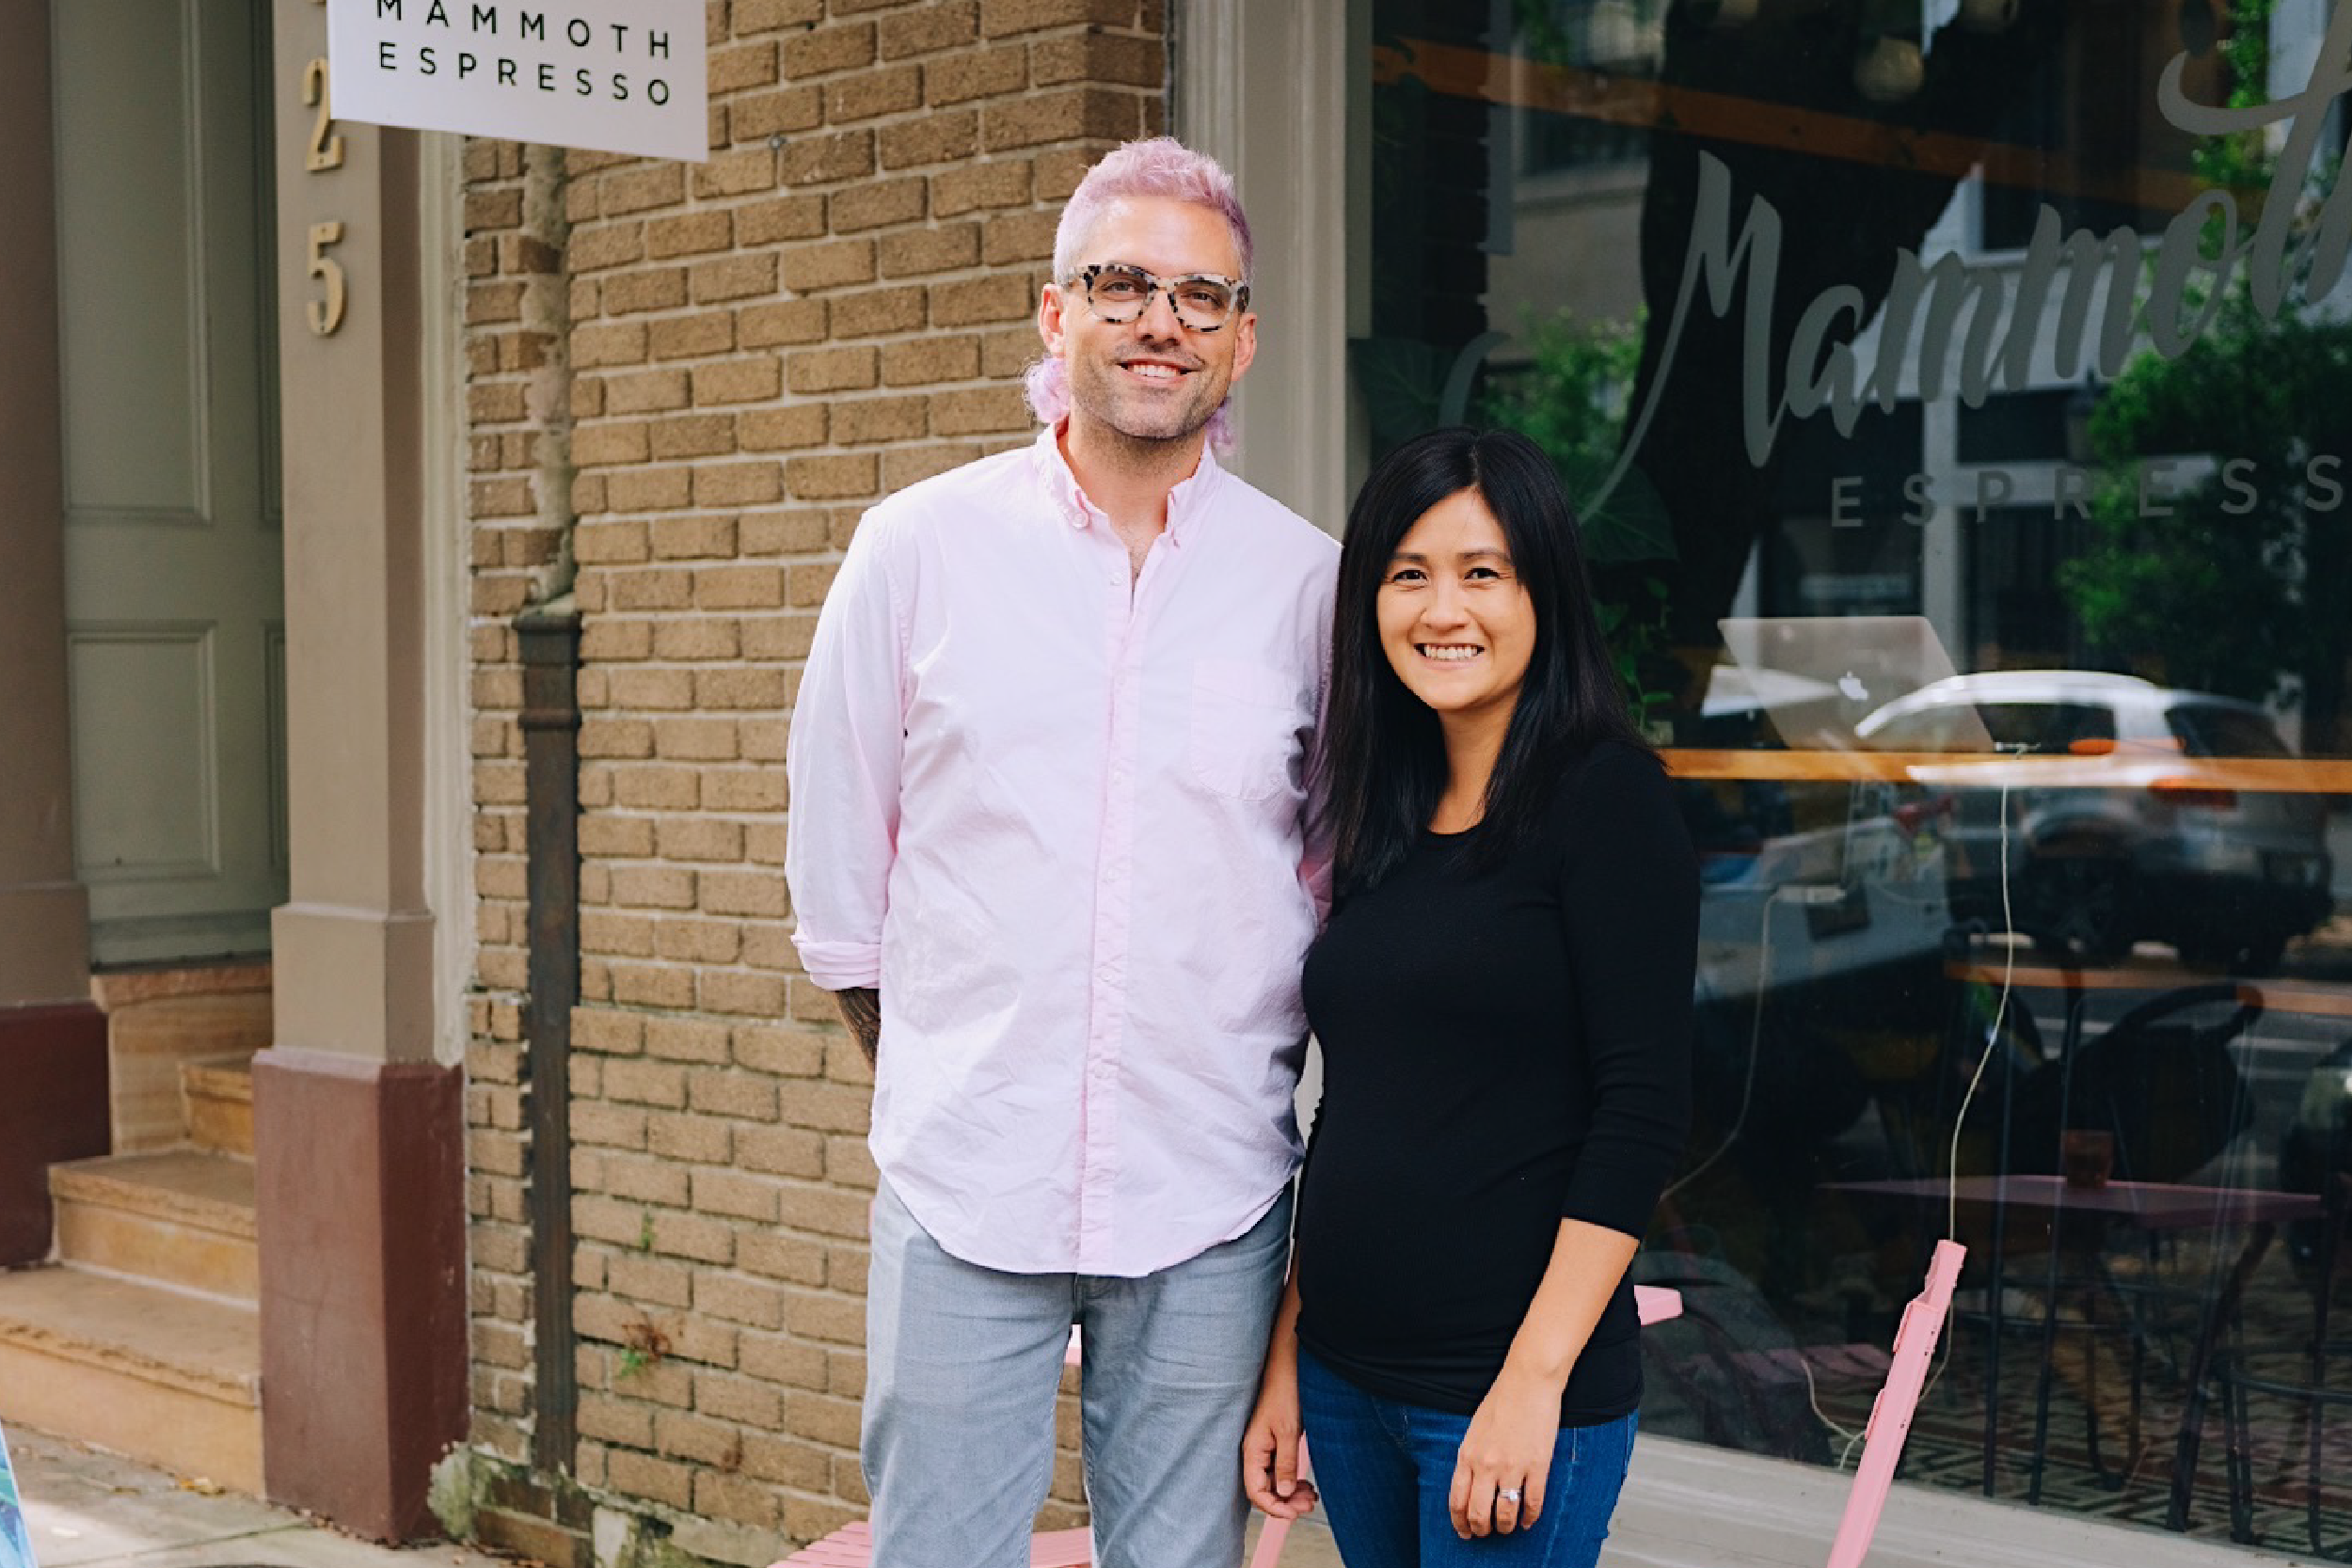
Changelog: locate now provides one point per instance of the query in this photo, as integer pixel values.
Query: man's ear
(1049, 319)
(1244, 341)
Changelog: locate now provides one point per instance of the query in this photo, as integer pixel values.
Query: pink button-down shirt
(1055, 812)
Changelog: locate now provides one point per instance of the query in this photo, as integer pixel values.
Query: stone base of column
(360, 1187)
(52, 1107)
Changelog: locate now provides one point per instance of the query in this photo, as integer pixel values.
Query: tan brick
(654, 887)
(650, 589)
(829, 49)
(650, 489)
(746, 587)
(787, 217)
(660, 183)
(783, 429)
(646, 391)
(832, 370)
(689, 234)
(1008, 351)
(606, 244)
(610, 443)
(794, 1151)
(794, 533)
(651, 985)
(839, 477)
(698, 639)
(736, 173)
(621, 1126)
(992, 184)
(889, 91)
(793, 320)
(928, 27)
(765, 16)
(1069, 115)
(1003, 297)
(786, 112)
(875, 312)
(748, 789)
(738, 380)
(685, 1135)
(1058, 170)
(915, 252)
(751, 65)
(493, 301)
(828, 267)
(982, 410)
(828, 160)
(606, 641)
(693, 538)
(697, 942)
(692, 434)
(1017, 237)
(1102, 57)
(876, 203)
(697, 739)
(734, 277)
(731, 1396)
(737, 1499)
(693, 1236)
(980, 74)
(694, 335)
(648, 686)
(737, 993)
(614, 1421)
(943, 138)
(872, 420)
(738, 484)
(1001, 18)
(642, 1475)
(927, 361)
(658, 788)
(743, 893)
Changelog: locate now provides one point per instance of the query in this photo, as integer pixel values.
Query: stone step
(149, 1042)
(219, 1098)
(182, 1219)
(165, 1377)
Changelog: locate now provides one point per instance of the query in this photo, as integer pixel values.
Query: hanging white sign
(616, 75)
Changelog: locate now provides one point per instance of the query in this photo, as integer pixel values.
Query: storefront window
(1956, 395)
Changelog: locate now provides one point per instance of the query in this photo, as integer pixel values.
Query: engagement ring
(1506, 1495)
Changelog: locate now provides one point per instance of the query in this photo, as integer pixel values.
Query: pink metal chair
(1890, 1417)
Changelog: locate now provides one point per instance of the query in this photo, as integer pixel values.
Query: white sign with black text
(616, 75)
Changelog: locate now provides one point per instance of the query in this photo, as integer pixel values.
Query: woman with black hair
(1504, 1000)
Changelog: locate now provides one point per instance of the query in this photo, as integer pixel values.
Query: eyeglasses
(1119, 293)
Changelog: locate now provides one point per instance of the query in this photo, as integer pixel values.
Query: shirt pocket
(1244, 728)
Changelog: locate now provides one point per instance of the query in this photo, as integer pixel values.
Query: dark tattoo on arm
(860, 1009)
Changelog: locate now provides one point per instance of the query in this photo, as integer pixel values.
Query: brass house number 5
(325, 154)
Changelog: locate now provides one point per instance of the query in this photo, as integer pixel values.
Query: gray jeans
(961, 1367)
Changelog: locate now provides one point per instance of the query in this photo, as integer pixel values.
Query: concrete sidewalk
(86, 1509)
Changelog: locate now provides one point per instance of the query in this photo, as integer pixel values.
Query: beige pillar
(52, 1040)
(359, 1134)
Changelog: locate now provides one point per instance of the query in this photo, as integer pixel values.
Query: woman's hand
(1507, 1450)
(1269, 1445)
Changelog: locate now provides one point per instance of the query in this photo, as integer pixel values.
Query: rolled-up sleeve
(842, 762)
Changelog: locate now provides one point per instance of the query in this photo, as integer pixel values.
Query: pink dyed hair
(1165, 167)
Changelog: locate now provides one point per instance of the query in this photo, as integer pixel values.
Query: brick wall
(726, 363)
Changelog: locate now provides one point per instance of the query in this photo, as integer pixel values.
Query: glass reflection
(1956, 404)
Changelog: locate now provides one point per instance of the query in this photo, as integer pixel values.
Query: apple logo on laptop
(1849, 685)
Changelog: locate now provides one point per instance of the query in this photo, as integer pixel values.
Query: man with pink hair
(1049, 848)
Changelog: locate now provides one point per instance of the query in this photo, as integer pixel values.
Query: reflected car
(2133, 827)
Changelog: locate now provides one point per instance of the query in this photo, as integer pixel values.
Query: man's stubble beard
(1094, 391)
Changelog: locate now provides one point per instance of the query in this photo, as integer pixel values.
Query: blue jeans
(961, 1366)
(1385, 1469)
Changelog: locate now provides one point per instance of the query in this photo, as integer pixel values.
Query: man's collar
(1188, 502)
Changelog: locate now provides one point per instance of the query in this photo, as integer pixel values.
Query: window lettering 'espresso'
(1823, 370)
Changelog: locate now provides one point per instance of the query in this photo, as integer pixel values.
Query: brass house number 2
(325, 153)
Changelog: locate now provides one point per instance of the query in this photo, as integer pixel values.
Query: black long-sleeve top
(1500, 1050)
